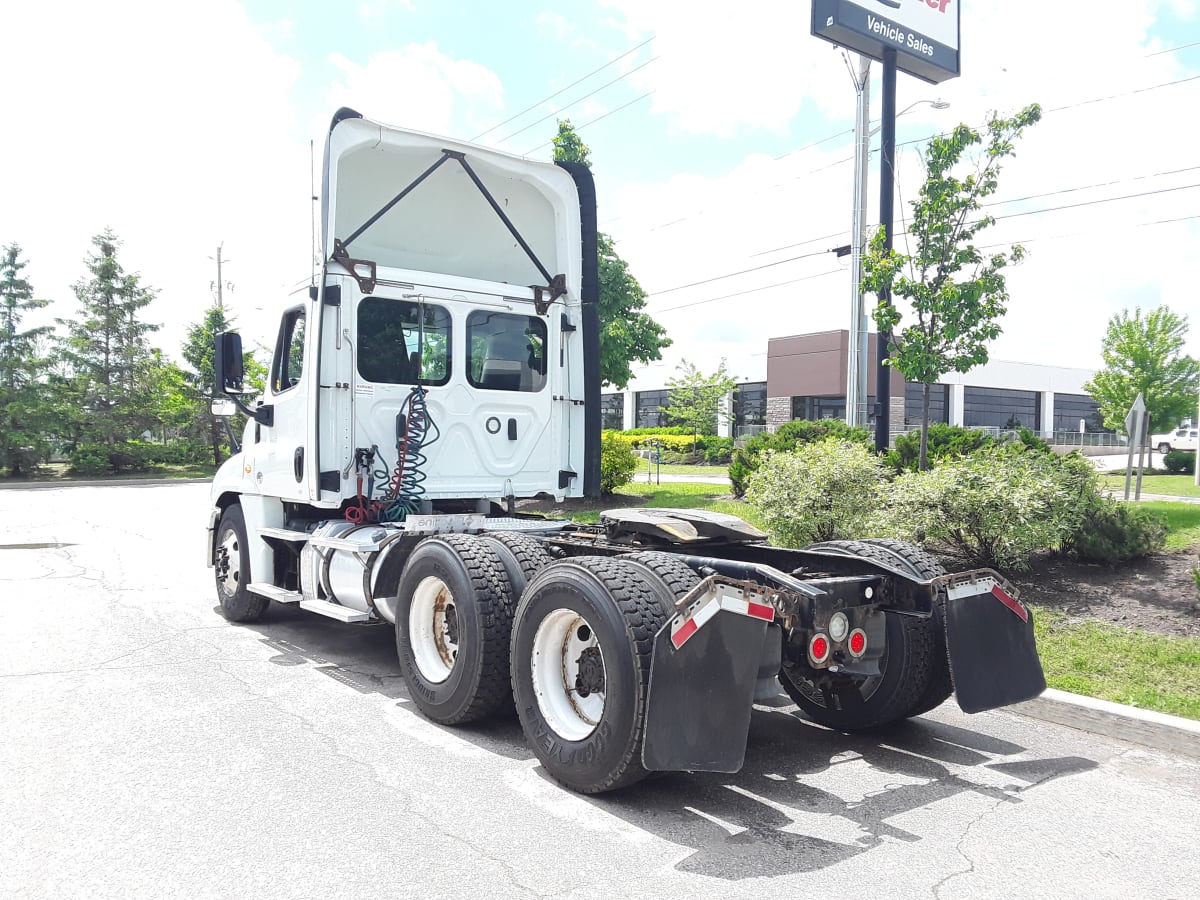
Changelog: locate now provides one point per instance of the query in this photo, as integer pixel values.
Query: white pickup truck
(1179, 439)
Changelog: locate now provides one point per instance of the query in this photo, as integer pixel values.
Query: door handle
(512, 429)
(298, 464)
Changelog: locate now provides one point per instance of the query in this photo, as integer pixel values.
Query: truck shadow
(806, 798)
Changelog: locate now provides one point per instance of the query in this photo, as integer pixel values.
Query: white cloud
(175, 129)
(418, 87)
(1061, 297)
(725, 68)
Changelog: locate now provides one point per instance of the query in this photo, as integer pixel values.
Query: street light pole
(887, 181)
(856, 369)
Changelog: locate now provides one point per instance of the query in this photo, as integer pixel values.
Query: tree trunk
(923, 460)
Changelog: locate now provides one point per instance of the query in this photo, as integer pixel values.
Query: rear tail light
(857, 645)
(818, 649)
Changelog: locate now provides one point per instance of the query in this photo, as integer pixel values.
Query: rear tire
(675, 576)
(849, 703)
(453, 626)
(232, 568)
(522, 556)
(925, 565)
(582, 644)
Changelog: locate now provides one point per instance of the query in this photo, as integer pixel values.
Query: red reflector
(819, 648)
(686, 631)
(761, 611)
(1011, 603)
(858, 642)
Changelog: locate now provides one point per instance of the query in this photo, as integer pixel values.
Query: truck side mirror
(227, 362)
(229, 371)
(223, 409)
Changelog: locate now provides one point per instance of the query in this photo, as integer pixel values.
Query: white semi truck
(445, 365)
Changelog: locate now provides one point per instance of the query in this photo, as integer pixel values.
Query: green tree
(696, 398)
(1145, 354)
(627, 334)
(106, 348)
(956, 292)
(23, 413)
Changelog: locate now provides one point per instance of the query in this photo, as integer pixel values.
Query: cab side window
(506, 352)
(288, 363)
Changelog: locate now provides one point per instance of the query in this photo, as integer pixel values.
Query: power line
(915, 142)
(680, 287)
(767, 287)
(1032, 212)
(578, 99)
(594, 121)
(1173, 49)
(1088, 187)
(567, 88)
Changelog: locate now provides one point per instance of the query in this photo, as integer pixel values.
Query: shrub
(1113, 532)
(617, 463)
(995, 508)
(789, 436)
(89, 459)
(945, 442)
(658, 430)
(1180, 462)
(818, 492)
(717, 450)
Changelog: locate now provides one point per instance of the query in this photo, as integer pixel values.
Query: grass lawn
(1139, 668)
(1172, 485)
(640, 473)
(55, 472)
(677, 495)
(1183, 523)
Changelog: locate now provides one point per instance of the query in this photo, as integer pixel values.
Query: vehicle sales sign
(924, 33)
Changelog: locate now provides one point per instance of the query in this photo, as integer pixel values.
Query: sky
(721, 144)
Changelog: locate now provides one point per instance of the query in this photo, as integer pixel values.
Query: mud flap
(702, 694)
(989, 639)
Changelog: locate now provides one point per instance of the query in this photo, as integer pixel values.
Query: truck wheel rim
(230, 562)
(433, 629)
(568, 674)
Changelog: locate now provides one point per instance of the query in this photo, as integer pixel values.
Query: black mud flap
(989, 638)
(702, 694)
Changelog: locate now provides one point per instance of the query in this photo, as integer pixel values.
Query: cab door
(280, 464)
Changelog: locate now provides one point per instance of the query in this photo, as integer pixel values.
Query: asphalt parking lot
(151, 749)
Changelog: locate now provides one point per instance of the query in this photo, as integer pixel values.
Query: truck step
(335, 611)
(333, 543)
(284, 534)
(278, 594)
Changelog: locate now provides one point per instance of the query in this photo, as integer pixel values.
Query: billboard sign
(924, 33)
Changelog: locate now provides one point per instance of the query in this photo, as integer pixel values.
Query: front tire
(453, 625)
(232, 568)
(583, 639)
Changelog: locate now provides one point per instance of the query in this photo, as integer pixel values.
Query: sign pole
(887, 190)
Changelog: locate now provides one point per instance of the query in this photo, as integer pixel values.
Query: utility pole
(219, 284)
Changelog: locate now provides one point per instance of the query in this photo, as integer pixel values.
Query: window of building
(1070, 408)
(612, 411)
(1001, 408)
(650, 409)
(391, 338)
(289, 352)
(506, 352)
(939, 403)
(750, 404)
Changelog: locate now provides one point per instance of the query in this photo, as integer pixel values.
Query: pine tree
(23, 439)
(106, 348)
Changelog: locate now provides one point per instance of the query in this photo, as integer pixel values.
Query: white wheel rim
(432, 629)
(230, 560)
(563, 639)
